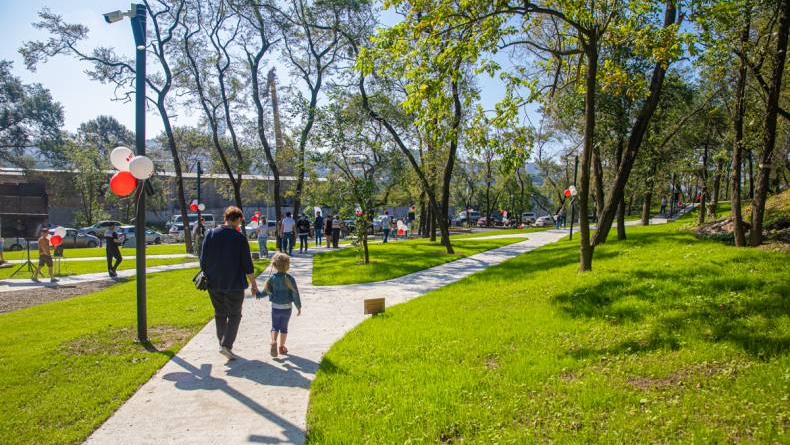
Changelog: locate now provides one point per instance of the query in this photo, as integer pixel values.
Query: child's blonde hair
(281, 262)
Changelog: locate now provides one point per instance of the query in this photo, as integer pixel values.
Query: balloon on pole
(60, 231)
(201, 207)
(120, 158)
(123, 183)
(567, 193)
(141, 167)
(56, 240)
(193, 207)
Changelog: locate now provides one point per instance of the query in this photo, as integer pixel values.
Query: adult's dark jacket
(328, 227)
(225, 259)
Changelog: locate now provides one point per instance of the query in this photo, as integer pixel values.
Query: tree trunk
(712, 207)
(704, 180)
(737, 150)
(254, 64)
(646, 205)
(301, 167)
(769, 134)
(638, 132)
(598, 176)
(182, 204)
(586, 247)
(365, 245)
(749, 159)
(621, 205)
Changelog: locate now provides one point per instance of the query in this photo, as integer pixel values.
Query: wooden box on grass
(374, 306)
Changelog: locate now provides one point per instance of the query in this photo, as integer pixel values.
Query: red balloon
(254, 218)
(567, 193)
(56, 240)
(193, 207)
(123, 183)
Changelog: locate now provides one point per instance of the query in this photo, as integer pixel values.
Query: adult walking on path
(328, 231)
(112, 243)
(303, 228)
(318, 225)
(385, 226)
(197, 236)
(262, 231)
(226, 261)
(44, 256)
(287, 228)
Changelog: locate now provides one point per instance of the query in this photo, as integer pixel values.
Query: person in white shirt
(287, 227)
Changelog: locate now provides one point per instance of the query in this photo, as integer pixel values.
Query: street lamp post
(137, 15)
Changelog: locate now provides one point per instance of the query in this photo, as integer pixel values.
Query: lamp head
(115, 16)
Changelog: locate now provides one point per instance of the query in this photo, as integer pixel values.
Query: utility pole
(199, 172)
(573, 199)
(138, 27)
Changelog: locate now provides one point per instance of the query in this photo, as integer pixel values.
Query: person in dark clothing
(328, 231)
(319, 228)
(337, 225)
(111, 241)
(303, 229)
(225, 260)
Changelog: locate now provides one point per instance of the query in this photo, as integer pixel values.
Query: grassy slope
(394, 259)
(83, 267)
(66, 366)
(669, 339)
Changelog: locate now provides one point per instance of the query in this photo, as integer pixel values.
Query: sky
(84, 99)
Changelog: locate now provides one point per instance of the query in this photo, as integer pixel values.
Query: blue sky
(82, 98)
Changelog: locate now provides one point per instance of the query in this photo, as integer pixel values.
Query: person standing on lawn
(226, 261)
(328, 231)
(303, 228)
(197, 236)
(112, 243)
(282, 291)
(385, 226)
(319, 228)
(287, 228)
(2, 247)
(262, 231)
(663, 208)
(337, 225)
(44, 256)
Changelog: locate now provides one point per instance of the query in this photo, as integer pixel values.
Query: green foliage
(666, 341)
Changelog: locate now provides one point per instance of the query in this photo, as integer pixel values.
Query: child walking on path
(282, 291)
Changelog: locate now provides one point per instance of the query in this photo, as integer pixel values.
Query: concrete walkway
(17, 284)
(199, 398)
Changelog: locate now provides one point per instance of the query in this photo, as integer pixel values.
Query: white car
(544, 221)
(528, 218)
(208, 219)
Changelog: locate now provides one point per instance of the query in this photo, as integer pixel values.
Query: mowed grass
(88, 252)
(668, 340)
(66, 366)
(83, 267)
(394, 259)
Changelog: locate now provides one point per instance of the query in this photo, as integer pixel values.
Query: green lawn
(393, 259)
(501, 232)
(66, 366)
(83, 267)
(669, 340)
(87, 252)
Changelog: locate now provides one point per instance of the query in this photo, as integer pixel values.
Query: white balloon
(201, 207)
(120, 157)
(141, 167)
(60, 231)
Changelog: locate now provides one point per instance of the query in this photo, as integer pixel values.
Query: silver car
(129, 239)
(74, 239)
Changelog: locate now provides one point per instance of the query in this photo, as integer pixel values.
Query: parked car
(74, 239)
(460, 218)
(528, 217)
(493, 220)
(208, 219)
(16, 243)
(129, 239)
(253, 234)
(544, 221)
(99, 228)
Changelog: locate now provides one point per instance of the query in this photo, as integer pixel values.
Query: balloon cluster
(130, 169)
(570, 191)
(56, 238)
(194, 206)
(256, 220)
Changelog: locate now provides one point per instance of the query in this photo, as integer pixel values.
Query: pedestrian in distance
(385, 226)
(44, 256)
(283, 292)
(226, 262)
(663, 208)
(558, 220)
(287, 230)
(112, 244)
(262, 232)
(303, 229)
(2, 247)
(337, 226)
(328, 231)
(319, 228)
(198, 232)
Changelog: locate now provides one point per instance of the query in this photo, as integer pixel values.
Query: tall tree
(109, 67)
